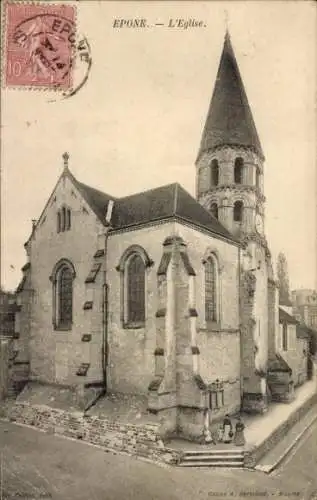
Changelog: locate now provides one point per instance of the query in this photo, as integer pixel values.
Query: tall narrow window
(59, 225)
(63, 223)
(238, 171)
(65, 297)
(284, 337)
(136, 289)
(214, 210)
(62, 278)
(238, 211)
(68, 220)
(214, 173)
(210, 290)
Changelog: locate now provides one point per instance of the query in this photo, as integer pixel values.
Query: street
(36, 465)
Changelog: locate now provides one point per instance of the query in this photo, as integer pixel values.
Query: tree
(283, 279)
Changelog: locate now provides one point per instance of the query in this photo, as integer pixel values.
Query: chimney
(109, 211)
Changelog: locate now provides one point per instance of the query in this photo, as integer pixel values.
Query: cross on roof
(65, 158)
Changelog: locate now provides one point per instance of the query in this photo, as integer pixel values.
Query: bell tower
(229, 184)
(229, 165)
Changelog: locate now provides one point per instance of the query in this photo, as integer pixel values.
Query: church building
(159, 294)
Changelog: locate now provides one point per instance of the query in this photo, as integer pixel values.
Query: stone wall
(199, 247)
(296, 353)
(138, 440)
(131, 357)
(5, 348)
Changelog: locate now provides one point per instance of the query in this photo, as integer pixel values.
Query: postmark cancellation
(40, 41)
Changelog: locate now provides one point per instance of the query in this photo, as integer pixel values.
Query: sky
(137, 122)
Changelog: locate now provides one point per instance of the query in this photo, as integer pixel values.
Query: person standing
(227, 429)
(239, 439)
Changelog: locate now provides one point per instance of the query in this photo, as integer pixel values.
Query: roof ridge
(95, 189)
(147, 190)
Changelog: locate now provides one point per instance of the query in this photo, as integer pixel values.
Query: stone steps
(213, 458)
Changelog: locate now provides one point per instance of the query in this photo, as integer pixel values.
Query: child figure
(239, 439)
(227, 429)
(220, 434)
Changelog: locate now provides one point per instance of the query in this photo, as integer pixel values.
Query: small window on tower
(238, 211)
(257, 177)
(214, 210)
(214, 173)
(238, 170)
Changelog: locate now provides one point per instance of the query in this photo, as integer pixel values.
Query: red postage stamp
(39, 46)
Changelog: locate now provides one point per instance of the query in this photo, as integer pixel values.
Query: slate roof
(97, 200)
(284, 317)
(304, 332)
(229, 120)
(153, 205)
(162, 203)
(278, 364)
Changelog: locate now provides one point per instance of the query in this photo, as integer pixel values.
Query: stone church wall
(219, 343)
(199, 245)
(131, 362)
(55, 356)
(131, 351)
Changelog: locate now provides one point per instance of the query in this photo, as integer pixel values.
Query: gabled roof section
(97, 200)
(303, 332)
(278, 364)
(164, 202)
(161, 203)
(284, 317)
(229, 120)
(188, 209)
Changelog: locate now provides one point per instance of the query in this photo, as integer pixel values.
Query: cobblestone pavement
(36, 465)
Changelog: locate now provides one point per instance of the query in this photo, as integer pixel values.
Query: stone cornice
(236, 147)
(236, 188)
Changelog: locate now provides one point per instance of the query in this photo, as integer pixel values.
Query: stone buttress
(176, 393)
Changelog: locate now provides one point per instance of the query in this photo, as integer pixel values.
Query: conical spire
(229, 120)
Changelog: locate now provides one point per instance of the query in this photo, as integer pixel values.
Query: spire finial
(65, 158)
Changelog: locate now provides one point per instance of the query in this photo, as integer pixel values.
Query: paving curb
(269, 468)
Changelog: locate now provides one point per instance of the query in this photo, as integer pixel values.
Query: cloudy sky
(137, 122)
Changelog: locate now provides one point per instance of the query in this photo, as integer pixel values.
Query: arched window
(238, 171)
(214, 173)
(210, 289)
(238, 211)
(132, 266)
(135, 289)
(214, 210)
(62, 278)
